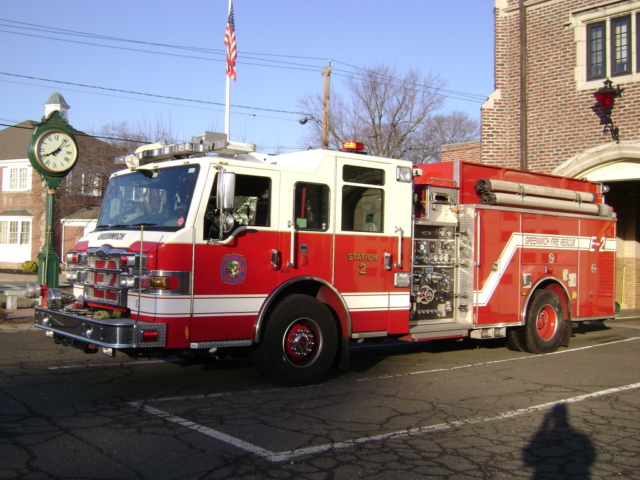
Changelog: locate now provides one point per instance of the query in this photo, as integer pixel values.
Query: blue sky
(282, 47)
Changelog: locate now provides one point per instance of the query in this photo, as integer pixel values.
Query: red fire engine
(207, 247)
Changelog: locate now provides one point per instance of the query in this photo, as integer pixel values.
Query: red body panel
(567, 250)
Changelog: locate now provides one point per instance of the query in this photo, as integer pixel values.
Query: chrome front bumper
(110, 332)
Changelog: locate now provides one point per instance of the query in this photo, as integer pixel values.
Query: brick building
(465, 152)
(23, 196)
(550, 58)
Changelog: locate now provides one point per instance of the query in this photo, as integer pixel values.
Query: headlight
(128, 281)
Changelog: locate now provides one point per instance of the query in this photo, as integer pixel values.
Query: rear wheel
(545, 323)
(300, 342)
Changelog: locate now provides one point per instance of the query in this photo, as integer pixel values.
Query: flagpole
(227, 108)
(227, 112)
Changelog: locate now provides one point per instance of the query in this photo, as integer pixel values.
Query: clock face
(56, 151)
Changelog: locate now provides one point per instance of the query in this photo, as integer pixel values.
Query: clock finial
(56, 102)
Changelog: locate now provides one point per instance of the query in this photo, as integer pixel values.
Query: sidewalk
(628, 313)
(23, 318)
(19, 280)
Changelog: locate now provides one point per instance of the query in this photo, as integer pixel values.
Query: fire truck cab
(208, 247)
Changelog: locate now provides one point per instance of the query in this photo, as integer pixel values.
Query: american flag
(230, 42)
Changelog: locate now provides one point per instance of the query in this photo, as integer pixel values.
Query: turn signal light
(159, 283)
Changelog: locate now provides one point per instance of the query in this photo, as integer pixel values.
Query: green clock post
(53, 152)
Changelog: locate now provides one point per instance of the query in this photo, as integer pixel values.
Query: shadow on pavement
(559, 451)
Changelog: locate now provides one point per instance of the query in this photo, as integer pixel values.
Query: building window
(621, 46)
(25, 233)
(596, 56)
(637, 44)
(18, 179)
(15, 232)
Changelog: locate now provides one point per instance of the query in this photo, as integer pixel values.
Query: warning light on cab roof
(353, 146)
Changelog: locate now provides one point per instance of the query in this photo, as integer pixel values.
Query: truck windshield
(159, 199)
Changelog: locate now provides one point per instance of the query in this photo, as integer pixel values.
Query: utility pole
(326, 73)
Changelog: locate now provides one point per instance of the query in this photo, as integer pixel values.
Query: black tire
(300, 342)
(545, 323)
(515, 337)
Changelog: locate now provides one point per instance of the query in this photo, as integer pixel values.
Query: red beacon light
(353, 146)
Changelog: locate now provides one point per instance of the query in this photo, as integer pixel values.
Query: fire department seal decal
(233, 269)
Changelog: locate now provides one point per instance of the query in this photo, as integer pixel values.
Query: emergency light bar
(209, 142)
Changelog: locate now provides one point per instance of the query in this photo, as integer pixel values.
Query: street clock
(53, 150)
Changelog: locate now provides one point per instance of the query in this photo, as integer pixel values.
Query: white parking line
(210, 432)
(383, 377)
(288, 455)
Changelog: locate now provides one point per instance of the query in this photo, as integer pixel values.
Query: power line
(472, 97)
(220, 52)
(464, 96)
(199, 49)
(209, 109)
(207, 102)
(118, 139)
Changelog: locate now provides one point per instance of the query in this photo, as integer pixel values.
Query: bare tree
(393, 114)
(444, 129)
(385, 109)
(85, 184)
(127, 137)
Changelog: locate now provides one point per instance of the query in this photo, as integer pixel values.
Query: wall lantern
(605, 97)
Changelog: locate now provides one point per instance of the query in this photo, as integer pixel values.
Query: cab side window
(311, 206)
(362, 206)
(251, 204)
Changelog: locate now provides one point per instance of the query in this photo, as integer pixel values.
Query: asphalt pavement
(438, 410)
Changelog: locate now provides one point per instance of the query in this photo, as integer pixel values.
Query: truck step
(451, 329)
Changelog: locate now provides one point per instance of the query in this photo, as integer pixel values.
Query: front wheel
(300, 342)
(545, 323)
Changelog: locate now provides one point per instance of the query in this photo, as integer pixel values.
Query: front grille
(100, 271)
(115, 297)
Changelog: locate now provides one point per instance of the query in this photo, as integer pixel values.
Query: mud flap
(567, 326)
(343, 357)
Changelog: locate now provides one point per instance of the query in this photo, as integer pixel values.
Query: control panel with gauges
(434, 269)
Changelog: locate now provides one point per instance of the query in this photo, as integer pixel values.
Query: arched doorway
(618, 167)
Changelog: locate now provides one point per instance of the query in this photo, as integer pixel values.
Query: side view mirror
(225, 194)
(225, 191)
(227, 222)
